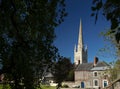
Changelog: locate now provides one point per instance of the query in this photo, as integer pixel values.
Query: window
(78, 61)
(105, 83)
(95, 74)
(96, 82)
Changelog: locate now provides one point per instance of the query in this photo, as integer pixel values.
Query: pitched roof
(101, 64)
(89, 66)
(84, 66)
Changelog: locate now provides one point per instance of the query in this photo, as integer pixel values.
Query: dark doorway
(78, 61)
(82, 85)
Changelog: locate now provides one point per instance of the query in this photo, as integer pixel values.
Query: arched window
(95, 74)
(95, 82)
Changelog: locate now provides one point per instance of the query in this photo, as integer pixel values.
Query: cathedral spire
(80, 37)
(80, 53)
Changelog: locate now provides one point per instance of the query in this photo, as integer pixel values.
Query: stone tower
(80, 51)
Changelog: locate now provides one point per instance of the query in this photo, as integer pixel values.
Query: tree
(113, 71)
(26, 37)
(70, 76)
(61, 70)
(111, 11)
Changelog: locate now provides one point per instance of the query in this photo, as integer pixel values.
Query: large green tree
(26, 38)
(61, 69)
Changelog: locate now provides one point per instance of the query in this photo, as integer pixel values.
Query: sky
(67, 32)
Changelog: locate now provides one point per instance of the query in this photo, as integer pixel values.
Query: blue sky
(67, 32)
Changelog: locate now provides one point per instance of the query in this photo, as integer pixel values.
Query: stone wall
(69, 83)
(81, 75)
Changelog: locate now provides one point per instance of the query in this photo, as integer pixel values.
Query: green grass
(0, 86)
(47, 87)
(42, 86)
(6, 86)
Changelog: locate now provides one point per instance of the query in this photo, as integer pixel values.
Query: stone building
(91, 75)
(88, 75)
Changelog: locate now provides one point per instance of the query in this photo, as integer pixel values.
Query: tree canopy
(26, 37)
(110, 9)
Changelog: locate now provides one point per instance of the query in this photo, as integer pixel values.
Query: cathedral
(88, 75)
(80, 51)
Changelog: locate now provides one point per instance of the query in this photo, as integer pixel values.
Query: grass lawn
(43, 87)
(0, 87)
(47, 87)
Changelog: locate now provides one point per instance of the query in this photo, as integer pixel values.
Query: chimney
(95, 61)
